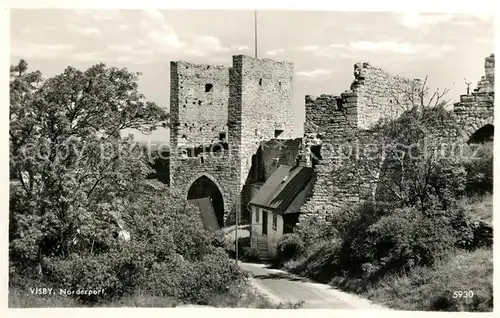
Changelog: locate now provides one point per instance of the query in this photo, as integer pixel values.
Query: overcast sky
(322, 45)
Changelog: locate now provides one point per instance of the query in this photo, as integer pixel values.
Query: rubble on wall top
(199, 65)
(490, 61)
(260, 59)
(312, 98)
(188, 64)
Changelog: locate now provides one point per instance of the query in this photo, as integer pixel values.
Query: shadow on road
(277, 276)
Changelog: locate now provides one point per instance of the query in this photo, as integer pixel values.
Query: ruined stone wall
(330, 115)
(260, 103)
(342, 125)
(381, 95)
(476, 109)
(348, 120)
(199, 103)
(329, 119)
(487, 82)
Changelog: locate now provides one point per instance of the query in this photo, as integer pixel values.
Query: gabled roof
(282, 187)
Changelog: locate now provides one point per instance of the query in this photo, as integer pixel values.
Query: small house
(276, 206)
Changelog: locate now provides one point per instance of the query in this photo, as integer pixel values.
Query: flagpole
(255, 32)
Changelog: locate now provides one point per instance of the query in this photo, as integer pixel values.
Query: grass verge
(238, 296)
(422, 288)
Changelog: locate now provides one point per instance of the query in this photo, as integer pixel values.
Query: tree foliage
(71, 170)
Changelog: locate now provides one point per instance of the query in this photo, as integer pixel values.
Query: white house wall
(273, 235)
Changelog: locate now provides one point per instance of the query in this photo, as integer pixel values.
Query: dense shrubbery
(194, 282)
(480, 171)
(420, 217)
(289, 246)
(376, 240)
(170, 255)
(313, 229)
(380, 239)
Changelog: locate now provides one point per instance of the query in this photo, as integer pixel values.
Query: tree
(71, 170)
(412, 160)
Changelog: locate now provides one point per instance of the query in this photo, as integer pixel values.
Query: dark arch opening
(203, 187)
(482, 135)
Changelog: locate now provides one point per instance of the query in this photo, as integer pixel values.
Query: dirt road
(280, 286)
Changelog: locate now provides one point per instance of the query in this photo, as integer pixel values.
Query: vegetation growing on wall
(417, 216)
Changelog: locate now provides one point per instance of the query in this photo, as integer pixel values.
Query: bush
(432, 288)
(289, 247)
(86, 273)
(313, 229)
(480, 171)
(250, 254)
(470, 228)
(377, 240)
(170, 254)
(194, 282)
(320, 262)
(404, 239)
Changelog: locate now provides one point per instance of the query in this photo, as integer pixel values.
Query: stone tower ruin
(219, 117)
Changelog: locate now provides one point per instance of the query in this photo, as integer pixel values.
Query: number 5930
(463, 294)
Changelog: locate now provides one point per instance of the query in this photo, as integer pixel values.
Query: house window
(277, 133)
(222, 136)
(208, 87)
(275, 221)
(257, 214)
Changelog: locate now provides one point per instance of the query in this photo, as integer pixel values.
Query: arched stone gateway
(479, 130)
(207, 187)
(482, 135)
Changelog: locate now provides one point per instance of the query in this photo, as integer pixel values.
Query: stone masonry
(334, 123)
(476, 109)
(199, 103)
(241, 106)
(241, 109)
(260, 106)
